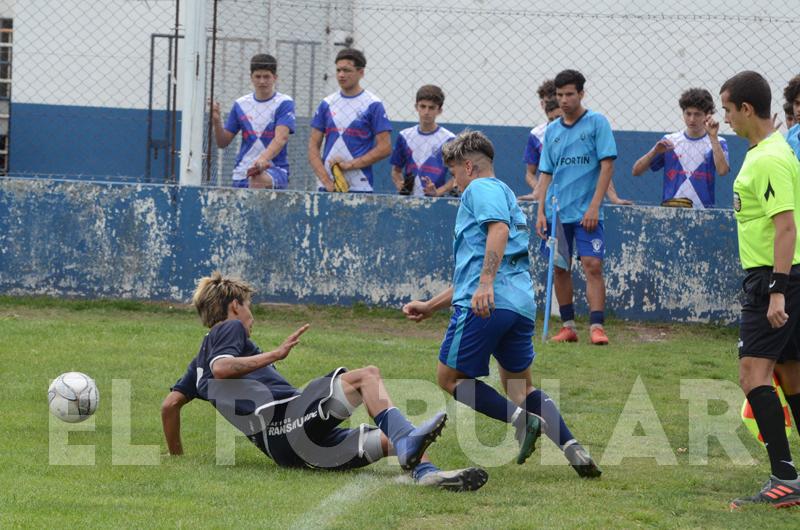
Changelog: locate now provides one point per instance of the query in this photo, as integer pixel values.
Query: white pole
(192, 76)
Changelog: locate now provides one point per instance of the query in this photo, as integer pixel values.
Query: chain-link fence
(107, 85)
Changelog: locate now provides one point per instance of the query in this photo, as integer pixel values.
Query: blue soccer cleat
(411, 448)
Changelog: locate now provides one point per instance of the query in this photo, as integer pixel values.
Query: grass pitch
(622, 387)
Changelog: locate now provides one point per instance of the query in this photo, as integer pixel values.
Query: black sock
(794, 405)
(769, 417)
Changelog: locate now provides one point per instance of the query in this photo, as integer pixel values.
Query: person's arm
(223, 136)
(720, 161)
(445, 188)
(315, 158)
(541, 219)
(785, 240)
(496, 240)
(592, 215)
(644, 163)
(278, 142)
(530, 175)
(397, 177)
(171, 420)
(420, 310)
(233, 367)
(382, 149)
(614, 198)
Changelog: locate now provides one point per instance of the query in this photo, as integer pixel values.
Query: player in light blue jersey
(353, 123)
(417, 166)
(792, 95)
(691, 158)
(493, 307)
(266, 119)
(578, 158)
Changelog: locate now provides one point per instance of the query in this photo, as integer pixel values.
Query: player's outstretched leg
(365, 385)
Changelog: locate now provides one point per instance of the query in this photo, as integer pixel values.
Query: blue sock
(485, 399)
(422, 469)
(596, 317)
(567, 312)
(540, 404)
(393, 424)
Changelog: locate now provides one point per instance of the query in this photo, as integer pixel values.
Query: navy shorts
(470, 340)
(757, 338)
(590, 244)
(300, 434)
(280, 179)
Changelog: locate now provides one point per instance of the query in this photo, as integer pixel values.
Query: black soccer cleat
(469, 479)
(529, 428)
(411, 448)
(776, 492)
(581, 462)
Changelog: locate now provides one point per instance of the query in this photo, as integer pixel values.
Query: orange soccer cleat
(599, 337)
(566, 334)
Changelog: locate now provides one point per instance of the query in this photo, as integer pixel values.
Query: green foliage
(150, 345)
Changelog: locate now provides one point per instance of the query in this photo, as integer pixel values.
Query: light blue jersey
(793, 138)
(488, 200)
(572, 155)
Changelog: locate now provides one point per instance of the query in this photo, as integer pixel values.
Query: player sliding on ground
(493, 307)
(297, 428)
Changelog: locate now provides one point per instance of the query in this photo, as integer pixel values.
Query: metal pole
(211, 93)
(173, 140)
(193, 76)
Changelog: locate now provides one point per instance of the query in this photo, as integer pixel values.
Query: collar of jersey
(419, 131)
(585, 112)
(274, 93)
(351, 97)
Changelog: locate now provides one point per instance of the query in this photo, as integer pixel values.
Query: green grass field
(150, 345)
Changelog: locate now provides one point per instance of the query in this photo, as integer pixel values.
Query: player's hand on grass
(662, 146)
(417, 310)
(590, 219)
(712, 126)
(483, 300)
(776, 313)
(291, 341)
(541, 226)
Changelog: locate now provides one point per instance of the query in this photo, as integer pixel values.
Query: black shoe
(470, 479)
(581, 462)
(778, 493)
(529, 427)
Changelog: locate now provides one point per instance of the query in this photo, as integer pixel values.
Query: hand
(712, 127)
(259, 166)
(662, 146)
(591, 218)
(526, 197)
(776, 313)
(541, 226)
(215, 113)
(290, 342)
(483, 300)
(417, 310)
(329, 187)
(428, 187)
(775, 123)
(344, 165)
(622, 202)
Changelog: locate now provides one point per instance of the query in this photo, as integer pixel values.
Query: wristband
(778, 283)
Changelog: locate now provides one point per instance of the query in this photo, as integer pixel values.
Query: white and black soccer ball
(73, 397)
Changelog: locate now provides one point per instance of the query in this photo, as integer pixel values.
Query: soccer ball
(73, 397)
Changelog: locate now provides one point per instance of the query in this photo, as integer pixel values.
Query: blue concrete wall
(91, 239)
(65, 140)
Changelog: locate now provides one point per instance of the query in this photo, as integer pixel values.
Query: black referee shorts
(757, 338)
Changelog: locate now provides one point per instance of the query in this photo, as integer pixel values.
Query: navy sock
(769, 416)
(485, 399)
(567, 312)
(540, 404)
(422, 469)
(393, 424)
(596, 317)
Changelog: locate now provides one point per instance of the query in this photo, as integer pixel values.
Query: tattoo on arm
(490, 264)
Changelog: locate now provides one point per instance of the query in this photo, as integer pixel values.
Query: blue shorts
(470, 340)
(280, 179)
(590, 244)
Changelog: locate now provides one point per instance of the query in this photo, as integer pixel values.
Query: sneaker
(581, 462)
(778, 493)
(565, 335)
(411, 448)
(529, 427)
(599, 337)
(469, 479)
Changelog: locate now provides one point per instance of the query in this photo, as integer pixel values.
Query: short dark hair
(550, 105)
(431, 93)
(788, 108)
(263, 61)
(547, 89)
(570, 77)
(699, 98)
(792, 90)
(465, 144)
(749, 87)
(351, 54)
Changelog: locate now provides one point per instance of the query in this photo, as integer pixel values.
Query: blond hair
(215, 293)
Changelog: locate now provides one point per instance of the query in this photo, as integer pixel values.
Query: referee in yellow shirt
(766, 200)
